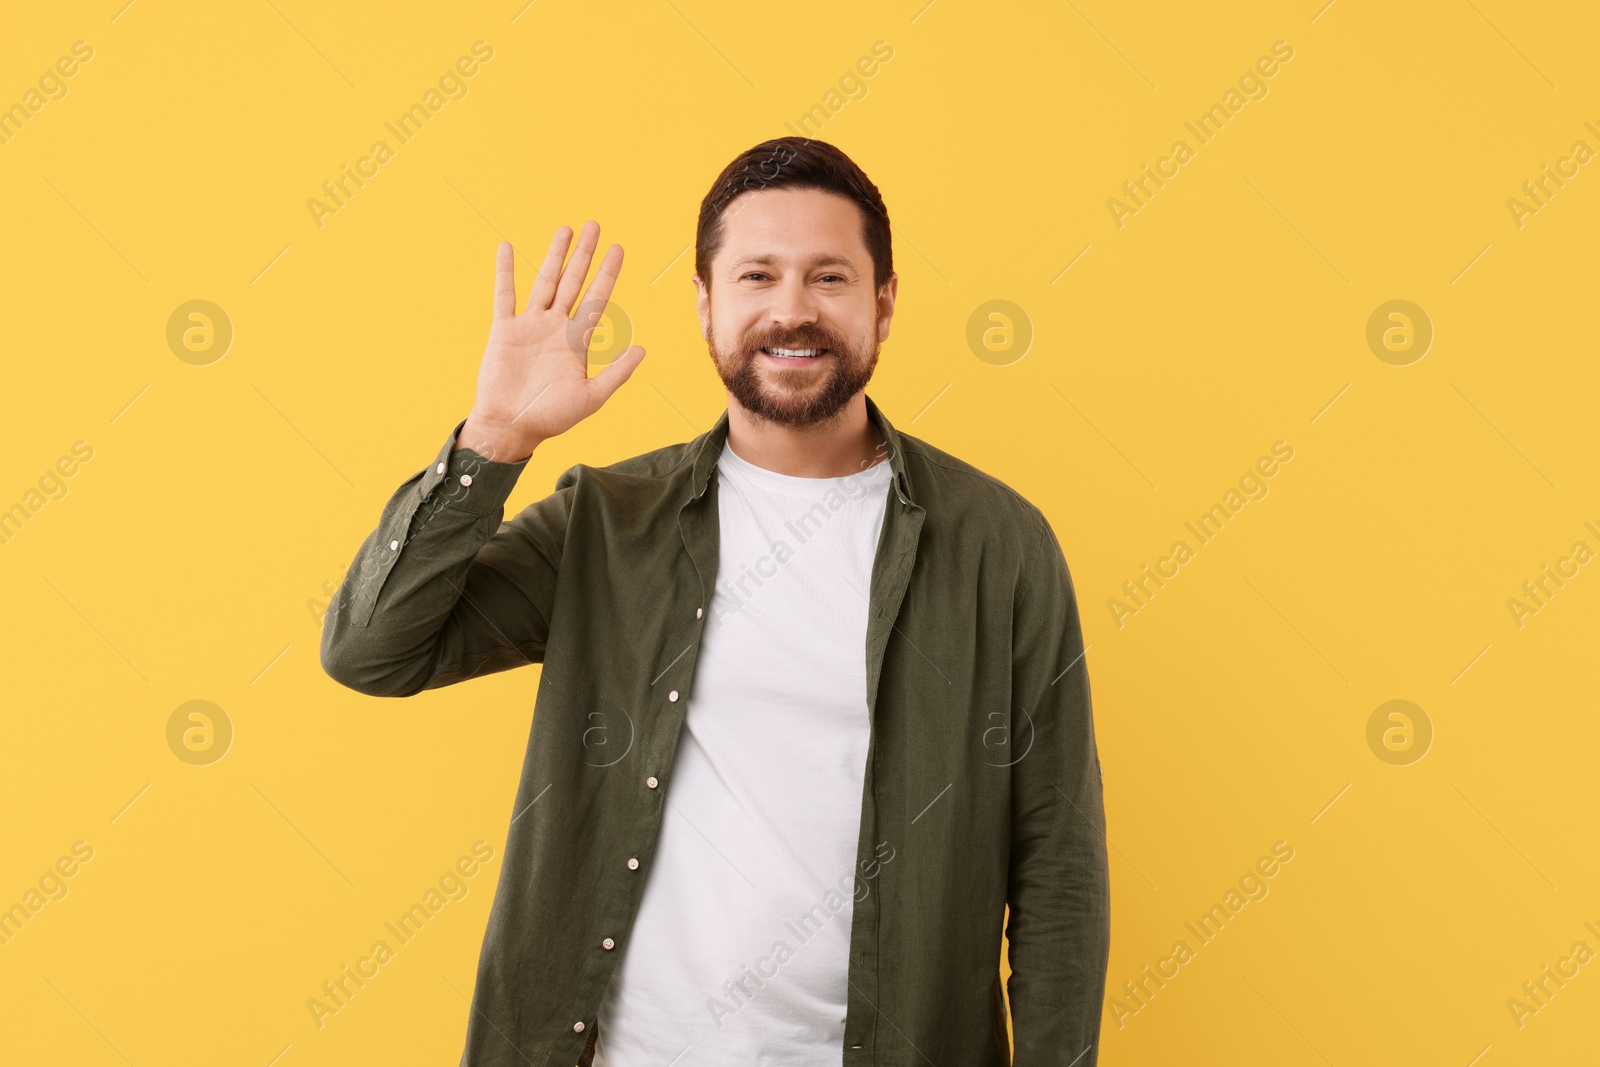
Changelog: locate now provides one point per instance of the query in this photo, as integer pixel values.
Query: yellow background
(1227, 314)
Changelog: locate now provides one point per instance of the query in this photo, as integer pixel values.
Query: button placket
(651, 782)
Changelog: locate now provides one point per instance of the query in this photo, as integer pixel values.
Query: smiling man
(813, 711)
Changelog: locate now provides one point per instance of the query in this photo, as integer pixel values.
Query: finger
(605, 279)
(577, 267)
(616, 372)
(505, 282)
(544, 283)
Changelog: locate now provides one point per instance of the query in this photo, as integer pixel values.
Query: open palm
(534, 382)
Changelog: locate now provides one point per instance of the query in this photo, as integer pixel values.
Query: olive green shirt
(982, 785)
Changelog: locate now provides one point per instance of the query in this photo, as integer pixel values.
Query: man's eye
(840, 277)
(755, 273)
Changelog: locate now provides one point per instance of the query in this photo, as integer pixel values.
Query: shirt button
(699, 613)
(651, 781)
(394, 546)
(633, 863)
(673, 696)
(608, 943)
(439, 469)
(577, 1027)
(466, 479)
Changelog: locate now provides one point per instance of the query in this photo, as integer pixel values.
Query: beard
(801, 396)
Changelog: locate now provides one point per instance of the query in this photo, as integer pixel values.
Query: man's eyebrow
(824, 259)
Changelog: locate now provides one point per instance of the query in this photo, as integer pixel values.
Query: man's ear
(886, 296)
(702, 307)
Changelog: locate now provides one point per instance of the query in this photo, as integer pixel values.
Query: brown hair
(795, 163)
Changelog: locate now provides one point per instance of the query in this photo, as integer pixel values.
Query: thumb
(615, 373)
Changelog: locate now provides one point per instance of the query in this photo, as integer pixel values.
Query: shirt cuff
(467, 481)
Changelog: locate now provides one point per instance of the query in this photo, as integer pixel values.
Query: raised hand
(534, 381)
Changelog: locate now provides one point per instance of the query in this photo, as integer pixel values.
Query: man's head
(792, 252)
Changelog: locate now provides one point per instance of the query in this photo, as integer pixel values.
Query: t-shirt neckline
(794, 485)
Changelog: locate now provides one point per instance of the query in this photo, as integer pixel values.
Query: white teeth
(796, 353)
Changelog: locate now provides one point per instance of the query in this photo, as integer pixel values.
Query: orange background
(187, 558)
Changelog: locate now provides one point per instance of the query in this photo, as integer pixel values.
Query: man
(813, 709)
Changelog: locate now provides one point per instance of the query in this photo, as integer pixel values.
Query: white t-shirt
(741, 946)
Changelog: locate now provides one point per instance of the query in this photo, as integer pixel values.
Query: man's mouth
(794, 355)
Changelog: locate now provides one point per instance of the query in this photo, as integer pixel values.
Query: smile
(794, 355)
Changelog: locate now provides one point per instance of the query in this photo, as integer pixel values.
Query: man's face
(793, 273)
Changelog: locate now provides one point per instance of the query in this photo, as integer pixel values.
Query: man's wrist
(493, 443)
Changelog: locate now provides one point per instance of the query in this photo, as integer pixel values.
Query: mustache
(802, 339)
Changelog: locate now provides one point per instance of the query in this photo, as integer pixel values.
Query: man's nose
(794, 305)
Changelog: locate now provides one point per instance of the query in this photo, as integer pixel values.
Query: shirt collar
(712, 441)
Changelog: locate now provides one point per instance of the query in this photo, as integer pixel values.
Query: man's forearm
(396, 625)
(1059, 933)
